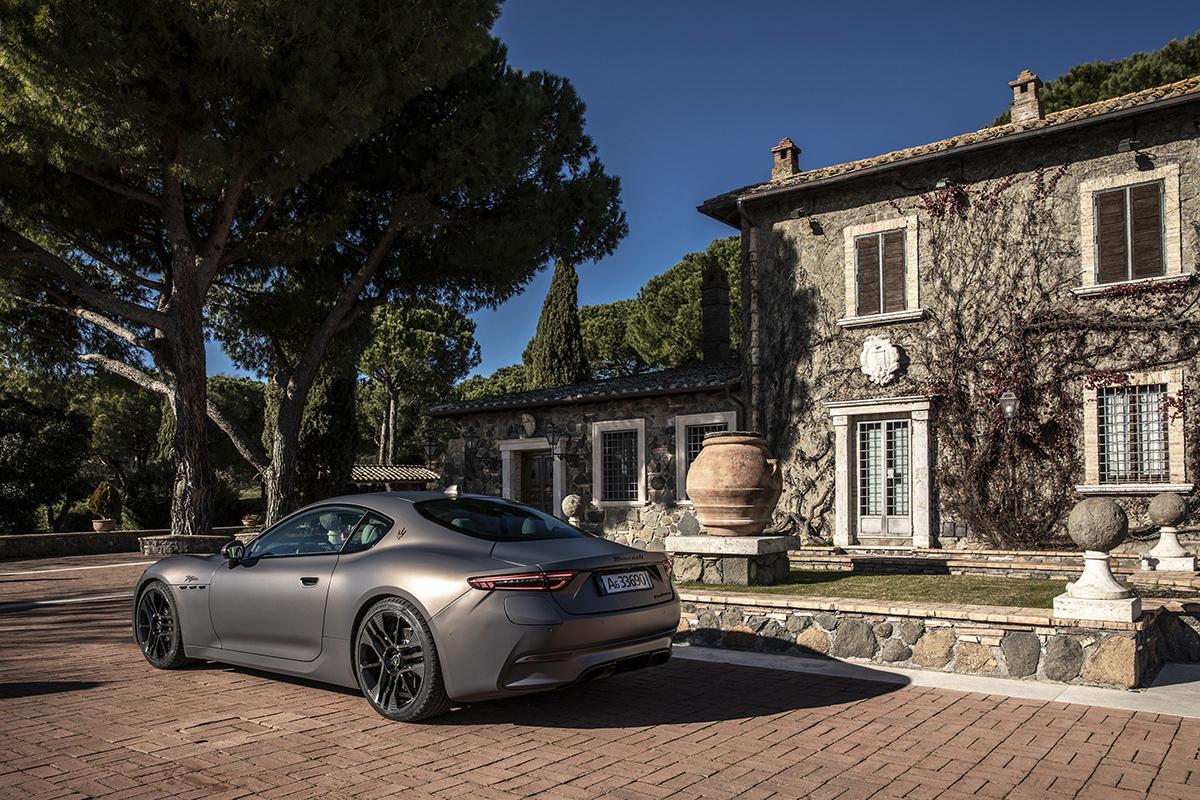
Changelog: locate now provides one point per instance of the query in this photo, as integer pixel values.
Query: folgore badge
(879, 359)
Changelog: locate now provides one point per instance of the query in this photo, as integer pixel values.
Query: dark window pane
(619, 465)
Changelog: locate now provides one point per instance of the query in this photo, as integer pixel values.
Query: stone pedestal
(1097, 594)
(737, 560)
(1166, 511)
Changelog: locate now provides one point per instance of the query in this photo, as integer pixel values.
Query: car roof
(383, 501)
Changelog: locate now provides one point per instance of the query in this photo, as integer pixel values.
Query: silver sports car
(420, 599)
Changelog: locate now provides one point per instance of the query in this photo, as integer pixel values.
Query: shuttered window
(1129, 233)
(880, 273)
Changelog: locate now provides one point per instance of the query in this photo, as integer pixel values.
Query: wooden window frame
(912, 298)
(1126, 192)
(1173, 232)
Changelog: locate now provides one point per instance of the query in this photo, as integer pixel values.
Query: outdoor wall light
(470, 440)
(552, 434)
(1008, 406)
(431, 450)
(1127, 145)
(942, 183)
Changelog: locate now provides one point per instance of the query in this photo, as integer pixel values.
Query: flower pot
(734, 484)
(104, 525)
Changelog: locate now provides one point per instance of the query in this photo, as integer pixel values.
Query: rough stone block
(883, 630)
(1063, 658)
(854, 639)
(911, 630)
(974, 659)
(813, 639)
(1022, 651)
(1113, 663)
(895, 650)
(825, 620)
(934, 649)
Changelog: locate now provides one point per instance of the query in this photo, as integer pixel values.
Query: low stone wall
(171, 545)
(1059, 565)
(50, 545)
(977, 640)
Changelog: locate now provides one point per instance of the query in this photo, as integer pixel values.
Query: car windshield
(497, 520)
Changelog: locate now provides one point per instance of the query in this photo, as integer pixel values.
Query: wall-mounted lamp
(942, 183)
(815, 226)
(552, 434)
(1128, 145)
(1008, 406)
(431, 450)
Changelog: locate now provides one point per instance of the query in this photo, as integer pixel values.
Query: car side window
(313, 532)
(371, 528)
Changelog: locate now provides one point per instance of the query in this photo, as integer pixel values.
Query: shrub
(105, 502)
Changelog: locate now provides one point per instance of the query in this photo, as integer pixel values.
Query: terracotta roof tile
(1145, 97)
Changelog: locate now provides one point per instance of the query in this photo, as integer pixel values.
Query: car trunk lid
(592, 558)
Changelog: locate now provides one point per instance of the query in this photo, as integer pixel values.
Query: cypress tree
(555, 355)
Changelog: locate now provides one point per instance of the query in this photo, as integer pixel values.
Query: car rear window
(496, 520)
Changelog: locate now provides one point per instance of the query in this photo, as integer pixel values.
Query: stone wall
(978, 640)
(644, 526)
(50, 545)
(798, 245)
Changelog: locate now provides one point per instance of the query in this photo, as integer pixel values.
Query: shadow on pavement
(9, 691)
(678, 692)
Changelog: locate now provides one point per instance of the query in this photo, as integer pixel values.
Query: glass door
(883, 478)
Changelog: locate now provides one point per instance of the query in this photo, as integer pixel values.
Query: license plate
(624, 582)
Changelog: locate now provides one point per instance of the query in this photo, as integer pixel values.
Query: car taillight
(525, 581)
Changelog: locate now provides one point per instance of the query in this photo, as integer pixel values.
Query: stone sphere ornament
(1167, 510)
(572, 507)
(1097, 524)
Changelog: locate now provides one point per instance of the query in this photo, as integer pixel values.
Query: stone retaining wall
(50, 545)
(977, 640)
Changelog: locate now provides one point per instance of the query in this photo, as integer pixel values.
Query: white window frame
(1177, 466)
(912, 283)
(1172, 226)
(614, 426)
(682, 423)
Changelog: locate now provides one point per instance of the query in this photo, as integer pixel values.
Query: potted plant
(105, 504)
(252, 521)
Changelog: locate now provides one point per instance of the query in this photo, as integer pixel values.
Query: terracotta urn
(734, 484)
(104, 525)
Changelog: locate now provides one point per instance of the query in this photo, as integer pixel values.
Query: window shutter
(867, 267)
(1111, 249)
(1145, 212)
(893, 271)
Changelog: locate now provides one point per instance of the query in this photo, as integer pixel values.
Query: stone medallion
(879, 359)
(528, 425)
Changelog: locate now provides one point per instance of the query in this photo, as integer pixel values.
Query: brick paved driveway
(82, 715)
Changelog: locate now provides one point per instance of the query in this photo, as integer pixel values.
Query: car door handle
(309, 581)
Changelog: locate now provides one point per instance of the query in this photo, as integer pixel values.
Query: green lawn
(964, 589)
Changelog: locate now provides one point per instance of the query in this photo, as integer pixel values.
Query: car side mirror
(234, 551)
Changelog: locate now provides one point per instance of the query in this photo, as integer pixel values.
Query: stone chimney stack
(714, 312)
(1026, 102)
(786, 159)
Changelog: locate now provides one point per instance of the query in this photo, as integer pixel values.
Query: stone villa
(863, 313)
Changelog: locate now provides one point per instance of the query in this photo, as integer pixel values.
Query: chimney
(785, 159)
(714, 312)
(1026, 104)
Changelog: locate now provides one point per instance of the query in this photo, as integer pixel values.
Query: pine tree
(555, 355)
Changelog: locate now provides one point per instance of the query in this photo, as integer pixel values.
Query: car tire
(156, 627)
(385, 645)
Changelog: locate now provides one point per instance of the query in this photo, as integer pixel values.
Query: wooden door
(537, 479)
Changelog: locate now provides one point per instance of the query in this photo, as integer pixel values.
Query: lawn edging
(1008, 642)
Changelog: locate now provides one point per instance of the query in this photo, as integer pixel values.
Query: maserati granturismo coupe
(420, 599)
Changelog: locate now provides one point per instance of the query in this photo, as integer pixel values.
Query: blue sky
(685, 99)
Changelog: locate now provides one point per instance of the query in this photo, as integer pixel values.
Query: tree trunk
(279, 480)
(192, 494)
(390, 422)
